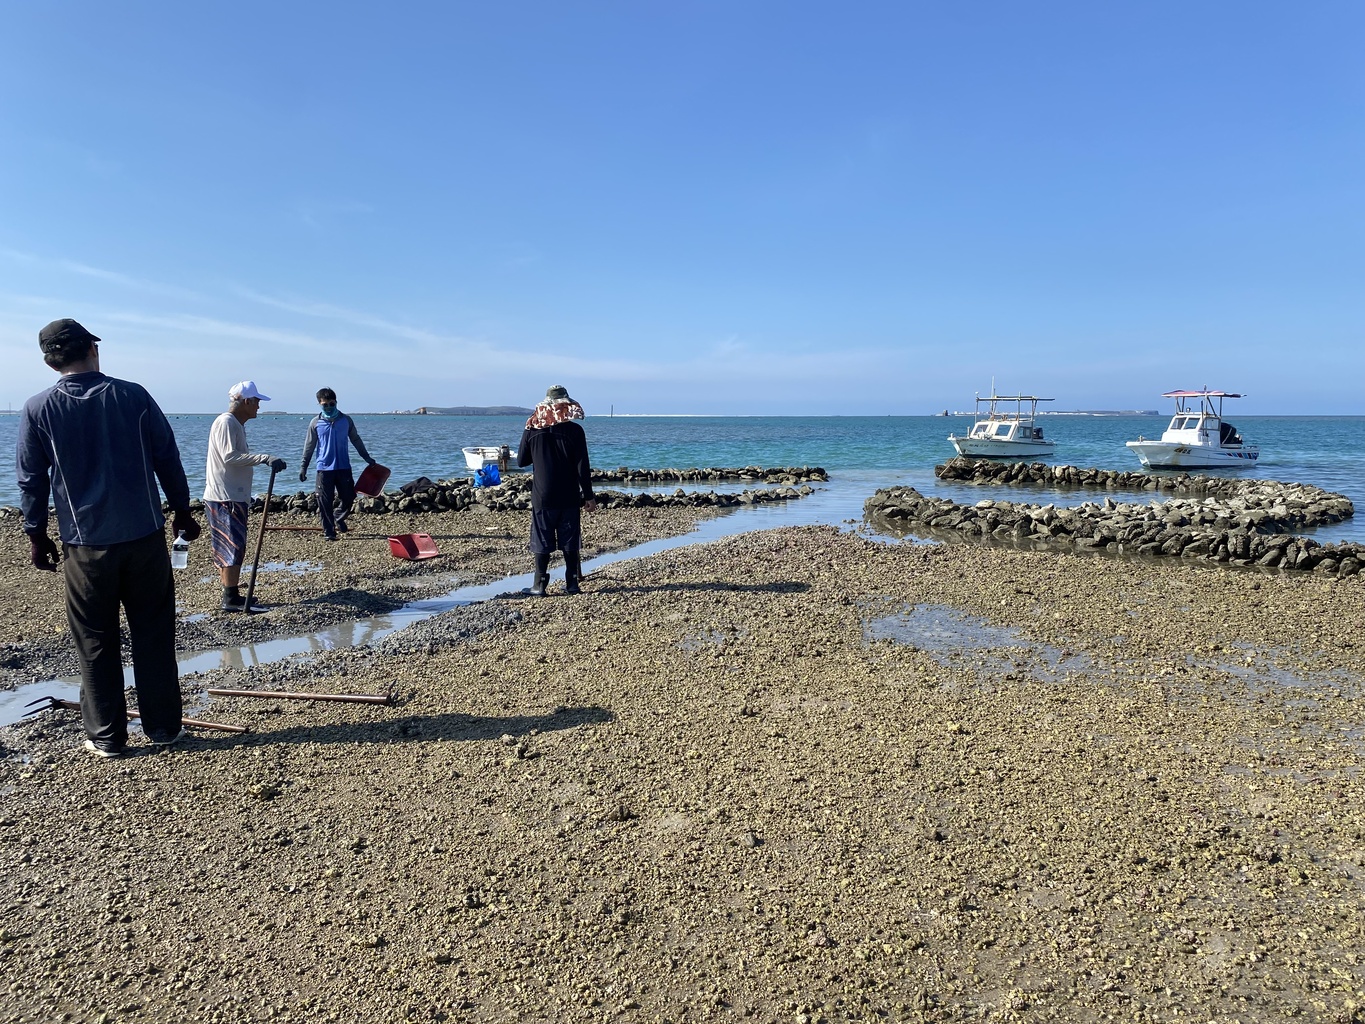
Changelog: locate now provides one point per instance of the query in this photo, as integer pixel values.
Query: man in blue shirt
(98, 446)
(330, 434)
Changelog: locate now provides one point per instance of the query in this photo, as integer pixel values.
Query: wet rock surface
(1241, 522)
(742, 474)
(705, 789)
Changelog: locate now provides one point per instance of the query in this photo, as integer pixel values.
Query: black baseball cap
(61, 334)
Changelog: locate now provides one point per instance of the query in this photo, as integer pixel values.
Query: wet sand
(794, 775)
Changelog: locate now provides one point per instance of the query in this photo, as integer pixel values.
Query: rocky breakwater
(1238, 522)
(458, 494)
(983, 471)
(789, 476)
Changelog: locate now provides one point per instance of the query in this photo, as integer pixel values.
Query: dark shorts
(227, 532)
(553, 528)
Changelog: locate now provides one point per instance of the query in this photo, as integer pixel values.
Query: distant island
(464, 410)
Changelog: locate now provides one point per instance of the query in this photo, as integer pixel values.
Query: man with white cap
(227, 487)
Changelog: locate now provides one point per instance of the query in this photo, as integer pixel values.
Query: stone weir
(1238, 522)
(457, 493)
(745, 474)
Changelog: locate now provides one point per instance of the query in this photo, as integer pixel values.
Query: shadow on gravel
(419, 728)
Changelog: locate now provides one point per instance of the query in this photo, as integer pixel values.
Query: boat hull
(989, 448)
(1173, 455)
(478, 457)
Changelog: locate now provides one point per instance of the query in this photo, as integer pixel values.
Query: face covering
(329, 411)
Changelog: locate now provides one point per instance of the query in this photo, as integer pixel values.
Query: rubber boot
(573, 572)
(542, 577)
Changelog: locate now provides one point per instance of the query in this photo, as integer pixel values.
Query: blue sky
(706, 207)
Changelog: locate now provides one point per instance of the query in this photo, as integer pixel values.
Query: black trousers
(137, 576)
(336, 495)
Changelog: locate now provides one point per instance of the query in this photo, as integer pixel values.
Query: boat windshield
(1002, 429)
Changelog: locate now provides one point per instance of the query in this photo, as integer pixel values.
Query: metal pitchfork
(50, 702)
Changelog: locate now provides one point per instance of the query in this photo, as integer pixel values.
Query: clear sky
(724, 207)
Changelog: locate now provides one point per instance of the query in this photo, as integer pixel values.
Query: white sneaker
(174, 739)
(99, 751)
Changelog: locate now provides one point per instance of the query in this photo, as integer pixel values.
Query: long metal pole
(260, 540)
(189, 723)
(345, 698)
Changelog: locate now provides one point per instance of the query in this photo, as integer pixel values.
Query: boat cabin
(1201, 424)
(998, 423)
(1001, 428)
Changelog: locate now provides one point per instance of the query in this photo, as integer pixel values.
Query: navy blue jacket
(329, 438)
(97, 446)
(560, 456)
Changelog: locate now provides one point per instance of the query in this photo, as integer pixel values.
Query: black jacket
(98, 446)
(560, 457)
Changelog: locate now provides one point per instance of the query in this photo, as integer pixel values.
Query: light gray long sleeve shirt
(230, 466)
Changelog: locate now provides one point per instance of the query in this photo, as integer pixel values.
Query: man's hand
(590, 505)
(184, 523)
(42, 552)
(278, 465)
(303, 475)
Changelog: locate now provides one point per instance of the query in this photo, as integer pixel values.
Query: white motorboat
(478, 456)
(1002, 433)
(1198, 437)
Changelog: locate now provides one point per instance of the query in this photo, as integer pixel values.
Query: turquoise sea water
(862, 453)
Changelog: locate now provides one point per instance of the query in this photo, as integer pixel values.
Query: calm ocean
(861, 453)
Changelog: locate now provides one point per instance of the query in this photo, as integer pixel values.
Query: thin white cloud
(100, 274)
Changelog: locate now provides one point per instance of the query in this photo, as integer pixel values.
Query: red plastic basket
(372, 480)
(413, 546)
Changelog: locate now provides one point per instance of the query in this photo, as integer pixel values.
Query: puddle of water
(945, 633)
(296, 568)
(12, 701)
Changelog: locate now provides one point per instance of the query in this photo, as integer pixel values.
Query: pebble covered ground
(798, 775)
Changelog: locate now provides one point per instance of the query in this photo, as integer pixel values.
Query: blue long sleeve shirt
(329, 438)
(97, 446)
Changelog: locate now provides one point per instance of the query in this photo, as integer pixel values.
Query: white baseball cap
(247, 389)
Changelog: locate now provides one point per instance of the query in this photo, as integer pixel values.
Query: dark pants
(553, 528)
(137, 575)
(336, 487)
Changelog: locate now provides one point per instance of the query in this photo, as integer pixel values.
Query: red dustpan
(413, 546)
(371, 482)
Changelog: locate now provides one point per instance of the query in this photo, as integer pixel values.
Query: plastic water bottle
(180, 551)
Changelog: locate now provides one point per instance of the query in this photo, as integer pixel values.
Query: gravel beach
(798, 775)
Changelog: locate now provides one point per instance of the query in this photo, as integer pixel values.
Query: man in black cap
(562, 485)
(94, 444)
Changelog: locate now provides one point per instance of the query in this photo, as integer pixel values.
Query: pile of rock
(790, 475)
(1242, 522)
(983, 471)
(458, 494)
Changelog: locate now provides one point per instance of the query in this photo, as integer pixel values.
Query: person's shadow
(412, 728)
